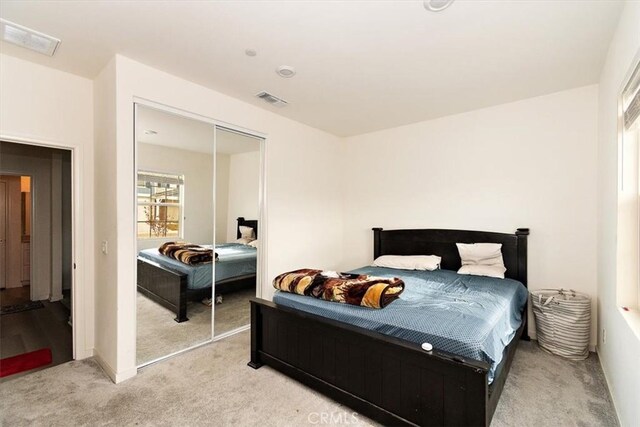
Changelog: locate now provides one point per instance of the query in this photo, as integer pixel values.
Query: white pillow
(483, 270)
(409, 262)
(253, 243)
(247, 232)
(481, 259)
(244, 240)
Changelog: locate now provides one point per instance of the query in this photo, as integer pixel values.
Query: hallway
(34, 328)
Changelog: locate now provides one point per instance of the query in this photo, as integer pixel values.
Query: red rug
(25, 362)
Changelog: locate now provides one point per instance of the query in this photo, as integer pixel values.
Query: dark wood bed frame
(387, 379)
(168, 287)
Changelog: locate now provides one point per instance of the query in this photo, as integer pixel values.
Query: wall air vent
(271, 99)
(28, 38)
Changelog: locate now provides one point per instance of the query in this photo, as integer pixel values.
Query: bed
(324, 344)
(172, 283)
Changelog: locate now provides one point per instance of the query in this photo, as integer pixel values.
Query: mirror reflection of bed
(177, 254)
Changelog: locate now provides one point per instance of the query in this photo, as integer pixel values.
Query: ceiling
(361, 66)
(188, 134)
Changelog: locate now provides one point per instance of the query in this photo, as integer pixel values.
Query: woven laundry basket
(563, 322)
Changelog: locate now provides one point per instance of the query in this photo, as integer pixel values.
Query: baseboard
(116, 377)
(55, 298)
(123, 376)
(106, 368)
(84, 354)
(606, 379)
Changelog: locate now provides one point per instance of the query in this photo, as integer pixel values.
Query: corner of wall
(621, 350)
(116, 377)
(104, 221)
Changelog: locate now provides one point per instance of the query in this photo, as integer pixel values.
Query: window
(160, 205)
(628, 235)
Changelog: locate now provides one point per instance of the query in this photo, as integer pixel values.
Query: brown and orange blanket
(354, 289)
(187, 253)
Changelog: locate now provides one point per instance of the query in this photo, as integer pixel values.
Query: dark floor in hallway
(31, 330)
(13, 296)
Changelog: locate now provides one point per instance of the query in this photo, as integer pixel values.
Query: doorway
(36, 266)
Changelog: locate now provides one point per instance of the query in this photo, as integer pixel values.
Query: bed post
(256, 330)
(181, 313)
(376, 241)
(522, 234)
(240, 221)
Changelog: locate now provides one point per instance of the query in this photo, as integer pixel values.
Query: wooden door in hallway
(3, 234)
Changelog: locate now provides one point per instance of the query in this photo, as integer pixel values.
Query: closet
(198, 193)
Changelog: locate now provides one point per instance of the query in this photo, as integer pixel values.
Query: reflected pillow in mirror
(243, 240)
(247, 232)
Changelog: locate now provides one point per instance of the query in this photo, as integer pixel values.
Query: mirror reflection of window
(159, 205)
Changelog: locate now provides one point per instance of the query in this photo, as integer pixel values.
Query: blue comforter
(471, 316)
(235, 260)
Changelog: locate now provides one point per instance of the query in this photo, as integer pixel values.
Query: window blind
(631, 100)
(162, 179)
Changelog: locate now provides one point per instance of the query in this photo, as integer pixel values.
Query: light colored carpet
(234, 312)
(547, 390)
(159, 335)
(213, 386)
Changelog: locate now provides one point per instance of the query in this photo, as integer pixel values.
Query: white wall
(197, 169)
(620, 354)
(530, 164)
(222, 197)
(40, 104)
(294, 195)
(244, 186)
(106, 266)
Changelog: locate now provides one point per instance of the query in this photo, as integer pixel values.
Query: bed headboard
(253, 223)
(443, 244)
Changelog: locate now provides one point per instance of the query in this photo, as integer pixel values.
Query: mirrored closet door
(197, 231)
(237, 227)
(175, 232)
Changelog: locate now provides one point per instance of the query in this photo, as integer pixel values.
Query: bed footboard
(164, 286)
(384, 378)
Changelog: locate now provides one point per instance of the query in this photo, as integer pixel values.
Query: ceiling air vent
(271, 99)
(28, 38)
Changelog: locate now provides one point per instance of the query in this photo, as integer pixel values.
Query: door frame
(261, 267)
(79, 294)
